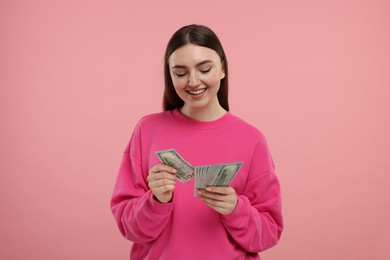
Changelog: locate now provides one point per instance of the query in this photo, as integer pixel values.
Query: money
(215, 175)
(206, 175)
(185, 171)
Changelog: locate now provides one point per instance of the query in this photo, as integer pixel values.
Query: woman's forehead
(191, 54)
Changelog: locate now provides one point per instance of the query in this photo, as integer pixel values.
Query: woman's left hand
(221, 199)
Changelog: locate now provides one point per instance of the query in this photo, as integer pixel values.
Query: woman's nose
(193, 80)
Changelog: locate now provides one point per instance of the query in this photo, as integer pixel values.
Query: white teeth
(197, 92)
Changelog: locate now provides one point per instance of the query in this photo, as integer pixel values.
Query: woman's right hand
(162, 180)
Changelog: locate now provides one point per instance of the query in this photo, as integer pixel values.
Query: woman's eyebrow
(197, 65)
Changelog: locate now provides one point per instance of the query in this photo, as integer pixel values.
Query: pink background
(76, 76)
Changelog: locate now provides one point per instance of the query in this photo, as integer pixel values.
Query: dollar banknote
(205, 175)
(215, 175)
(185, 171)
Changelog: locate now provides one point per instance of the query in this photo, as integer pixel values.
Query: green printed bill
(185, 171)
(206, 175)
(215, 175)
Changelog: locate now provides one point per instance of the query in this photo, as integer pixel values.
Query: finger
(216, 204)
(223, 207)
(163, 168)
(161, 175)
(203, 194)
(212, 202)
(167, 175)
(161, 182)
(220, 190)
(161, 171)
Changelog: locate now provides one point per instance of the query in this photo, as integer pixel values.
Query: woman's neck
(203, 114)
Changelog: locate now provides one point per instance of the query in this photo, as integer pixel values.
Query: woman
(160, 214)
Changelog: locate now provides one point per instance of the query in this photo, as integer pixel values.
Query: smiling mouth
(196, 92)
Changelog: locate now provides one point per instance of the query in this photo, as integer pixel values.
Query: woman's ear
(222, 75)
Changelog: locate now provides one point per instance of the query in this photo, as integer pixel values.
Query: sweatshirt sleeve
(139, 216)
(256, 223)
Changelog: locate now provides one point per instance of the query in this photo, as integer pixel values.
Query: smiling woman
(199, 36)
(160, 214)
(196, 74)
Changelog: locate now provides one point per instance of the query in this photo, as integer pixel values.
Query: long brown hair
(198, 35)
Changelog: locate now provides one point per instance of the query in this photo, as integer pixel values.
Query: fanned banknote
(206, 175)
(185, 171)
(215, 175)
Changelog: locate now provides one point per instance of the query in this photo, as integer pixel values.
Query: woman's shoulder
(251, 134)
(154, 118)
(246, 126)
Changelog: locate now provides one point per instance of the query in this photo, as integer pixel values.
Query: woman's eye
(179, 75)
(205, 71)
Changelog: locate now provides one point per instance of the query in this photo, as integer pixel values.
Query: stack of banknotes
(205, 175)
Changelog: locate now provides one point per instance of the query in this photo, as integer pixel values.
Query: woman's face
(196, 74)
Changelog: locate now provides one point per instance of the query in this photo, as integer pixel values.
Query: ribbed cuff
(238, 211)
(157, 207)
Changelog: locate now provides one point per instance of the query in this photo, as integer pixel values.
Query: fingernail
(174, 170)
(208, 189)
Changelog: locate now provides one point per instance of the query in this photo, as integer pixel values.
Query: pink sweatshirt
(186, 228)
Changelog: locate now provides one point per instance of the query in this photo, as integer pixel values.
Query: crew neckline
(197, 124)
